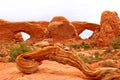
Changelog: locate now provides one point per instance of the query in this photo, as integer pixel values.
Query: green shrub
(85, 46)
(82, 45)
(16, 51)
(84, 58)
(96, 54)
(76, 46)
(118, 34)
(116, 44)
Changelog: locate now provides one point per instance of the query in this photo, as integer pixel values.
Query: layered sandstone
(28, 63)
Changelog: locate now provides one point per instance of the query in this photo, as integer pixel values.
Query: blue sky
(36, 10)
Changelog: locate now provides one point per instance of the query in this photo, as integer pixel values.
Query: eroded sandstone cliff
(109, 29)
(61, 29)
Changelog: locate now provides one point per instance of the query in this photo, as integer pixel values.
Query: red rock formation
(9, 30)
(59, 19)
(5, 35)
(43, 24)
(60, 29)
(109, 29)
(3, 22)
(81, 26)
(29, 62)
(18, 37)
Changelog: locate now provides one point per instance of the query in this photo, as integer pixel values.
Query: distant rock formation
(43, 24)
(58, 29)
(61, 29)
(18, 37)
(3, 21)
(109, 29)
(81, 26)
(10, 29)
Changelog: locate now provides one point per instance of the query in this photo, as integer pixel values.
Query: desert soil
(49, 70)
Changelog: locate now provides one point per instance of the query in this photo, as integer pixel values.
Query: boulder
(60, 29)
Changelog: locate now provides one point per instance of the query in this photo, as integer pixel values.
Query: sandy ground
(49, 70)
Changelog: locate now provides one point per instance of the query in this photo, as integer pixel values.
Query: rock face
(109, 29)
(60, 29)
(9, 30)
(18, 37)
(43, 24)
(3, 22)
(81, 26)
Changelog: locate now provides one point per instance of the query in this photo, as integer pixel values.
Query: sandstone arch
(60, 29)
(18, 37)
(81, 26)
(34, 30)
(6, 35)
(25, 36)
(43, 24)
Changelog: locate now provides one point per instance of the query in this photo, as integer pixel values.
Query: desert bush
(96, 54)
(85, 46)
(76, 46)
(16, 51)
(82, 45)
(116, 44)
(118, 34)
(84, 58)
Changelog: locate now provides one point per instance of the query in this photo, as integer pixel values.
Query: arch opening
(21, 36)
(86, 34)
(25, 36)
